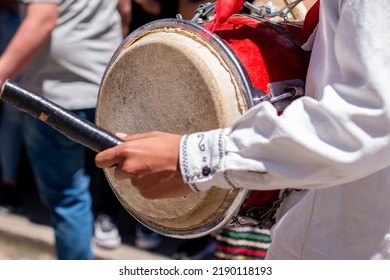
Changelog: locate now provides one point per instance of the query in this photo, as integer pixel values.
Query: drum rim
(244, 85)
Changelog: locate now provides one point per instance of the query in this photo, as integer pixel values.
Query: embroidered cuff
(201, 160)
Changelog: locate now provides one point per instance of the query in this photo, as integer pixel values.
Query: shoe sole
(109, 244)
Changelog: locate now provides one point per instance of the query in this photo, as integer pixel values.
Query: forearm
(124, 9)
(28, 41)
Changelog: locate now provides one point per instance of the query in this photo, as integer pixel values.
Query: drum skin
(177, 77)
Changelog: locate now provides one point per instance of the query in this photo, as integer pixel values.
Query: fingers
(130, 153)
(161, 185)
(111, 157)
(121, 135)
(140, 136)
(107, 158)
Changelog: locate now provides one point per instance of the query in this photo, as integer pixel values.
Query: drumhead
(169, 76)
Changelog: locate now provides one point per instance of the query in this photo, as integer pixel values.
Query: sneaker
(202, 248)
(9, 209)
(106, 233)
(145, 238)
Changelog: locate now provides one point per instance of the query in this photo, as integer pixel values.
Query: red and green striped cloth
(242, 243)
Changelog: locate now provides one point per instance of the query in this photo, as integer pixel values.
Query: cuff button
(206, 171)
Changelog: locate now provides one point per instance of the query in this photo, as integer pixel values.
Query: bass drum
(175, 76)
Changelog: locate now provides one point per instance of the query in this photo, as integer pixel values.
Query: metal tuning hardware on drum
(262, 217)
(204, 10)
(264, 11)
(281, 93)
(261, 11)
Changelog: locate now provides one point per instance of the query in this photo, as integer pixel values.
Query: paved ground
(29, 235)
(22, 239)
(15, 249)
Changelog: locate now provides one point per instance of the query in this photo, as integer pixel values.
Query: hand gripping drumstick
(66, 122)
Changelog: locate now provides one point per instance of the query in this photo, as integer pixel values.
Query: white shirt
(334, 143)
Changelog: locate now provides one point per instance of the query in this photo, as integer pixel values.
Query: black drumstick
(77, 129)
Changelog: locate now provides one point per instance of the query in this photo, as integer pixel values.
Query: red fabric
(259, 198)
(224, 9)
(265, 51)
(311, 19)
(241, 251)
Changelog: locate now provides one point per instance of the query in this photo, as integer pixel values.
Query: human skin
(150, 161)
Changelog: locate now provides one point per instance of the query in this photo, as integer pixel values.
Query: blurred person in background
(60, 50)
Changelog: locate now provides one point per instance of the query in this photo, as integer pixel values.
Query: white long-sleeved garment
(334, 143)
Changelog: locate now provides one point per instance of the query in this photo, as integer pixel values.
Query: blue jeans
(10, 133)
(11, 143)
(58, 164)
(9, 22)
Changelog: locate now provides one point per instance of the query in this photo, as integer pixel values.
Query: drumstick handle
(71, 125)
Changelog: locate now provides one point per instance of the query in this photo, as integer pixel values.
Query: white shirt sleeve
(337, 133)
